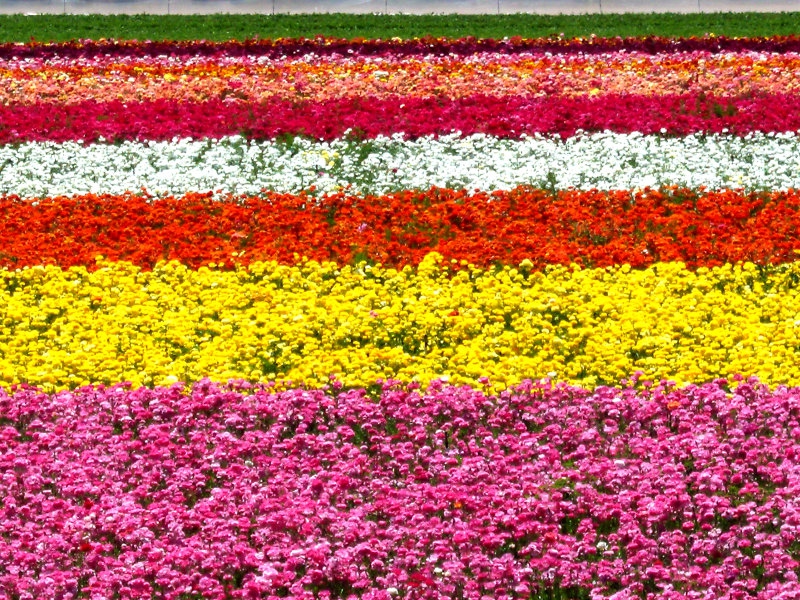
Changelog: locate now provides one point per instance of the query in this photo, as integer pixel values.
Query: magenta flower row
(234, 491)
(321, 46)
(369, 117)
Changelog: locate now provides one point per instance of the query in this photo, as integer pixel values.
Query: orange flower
(525, 225)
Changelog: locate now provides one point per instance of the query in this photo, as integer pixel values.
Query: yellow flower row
(304, 323)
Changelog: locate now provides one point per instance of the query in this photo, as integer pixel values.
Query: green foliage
(19, 28)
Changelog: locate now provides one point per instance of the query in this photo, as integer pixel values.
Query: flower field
(425, 318)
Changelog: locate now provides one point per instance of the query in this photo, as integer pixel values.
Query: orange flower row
(452, 77)
(589, 228)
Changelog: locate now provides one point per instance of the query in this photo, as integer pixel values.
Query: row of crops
(415, 318)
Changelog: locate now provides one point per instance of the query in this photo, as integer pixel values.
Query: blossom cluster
(590, 229)
(608, 161)
(255, 79)
(76, 51)
(301, 324)
(322, 87)
(306, 318)
(241, 492)
(367, 117)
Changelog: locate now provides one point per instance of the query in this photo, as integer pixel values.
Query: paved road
(391, 6)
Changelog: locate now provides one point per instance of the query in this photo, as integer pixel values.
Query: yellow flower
(307, 321)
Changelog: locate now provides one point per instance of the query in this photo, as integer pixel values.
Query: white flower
(235, 165)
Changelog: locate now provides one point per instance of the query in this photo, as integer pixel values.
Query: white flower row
(236, 165)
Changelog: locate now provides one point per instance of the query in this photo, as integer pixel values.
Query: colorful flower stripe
(217, 493)
(508, 117)
(245, 79)
(604, 161)
(592, 229)
(307, 322)
(321, 47)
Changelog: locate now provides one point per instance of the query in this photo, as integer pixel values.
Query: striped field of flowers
(426, 318)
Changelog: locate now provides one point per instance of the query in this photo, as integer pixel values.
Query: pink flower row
(500, 116)
(221, 57)
(234, 491)
(245, 79)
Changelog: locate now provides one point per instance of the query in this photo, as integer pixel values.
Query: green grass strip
(220, 27)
